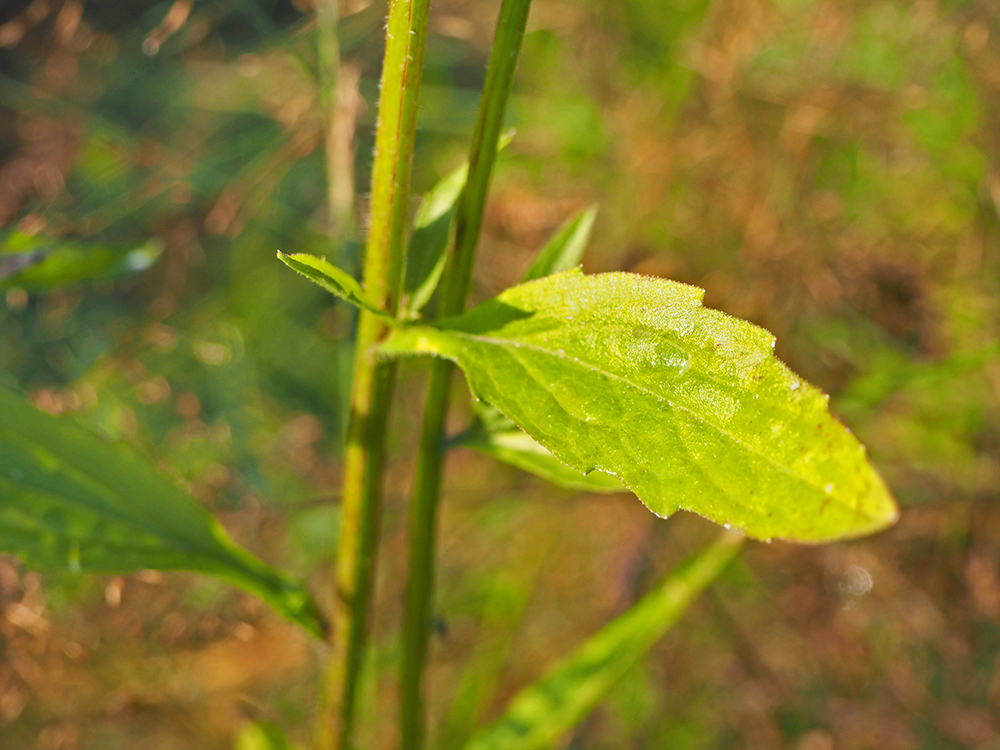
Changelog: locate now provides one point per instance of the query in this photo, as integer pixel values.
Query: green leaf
(429, 239)
(42, 262)
(566, 247)
(263, 735)
(687, 406)
(70, 500)
(428, 247)
(540, 714)
(336, 281)
(497, 436)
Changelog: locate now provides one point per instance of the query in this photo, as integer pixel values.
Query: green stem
(454, 292)
(373, 381)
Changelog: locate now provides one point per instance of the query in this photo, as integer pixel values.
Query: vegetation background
(829, 169)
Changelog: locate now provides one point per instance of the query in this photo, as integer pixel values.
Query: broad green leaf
(497, 436)
(336, 281)
(541, 713)
(41, 262)
(566, 247)
(69, 500)
(687, 406)
(429, 239)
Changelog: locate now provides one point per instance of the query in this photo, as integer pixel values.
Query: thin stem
(338, 97)
(373, 381)
(454, 292)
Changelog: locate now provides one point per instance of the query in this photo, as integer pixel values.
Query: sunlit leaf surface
(687, 406)
(70, 501)
(334, 280)
(566, 247)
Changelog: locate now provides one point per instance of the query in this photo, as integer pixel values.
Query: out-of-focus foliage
(827, 170)
(38, 262)
(70, 501)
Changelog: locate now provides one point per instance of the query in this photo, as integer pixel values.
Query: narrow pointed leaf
(499, 437)
(566, 247)
(429, 239)
(687, 406)
(540, 714)
(428, 247)
(336, 281)
(71, 501)
(263, 735)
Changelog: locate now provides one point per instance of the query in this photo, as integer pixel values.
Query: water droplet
(727, 526)
(828, 488)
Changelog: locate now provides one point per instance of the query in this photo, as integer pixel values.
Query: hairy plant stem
(456, 281)
(373, 381)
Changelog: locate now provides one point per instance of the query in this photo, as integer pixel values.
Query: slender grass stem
(338, 95)
(373, 381)
(454, 292)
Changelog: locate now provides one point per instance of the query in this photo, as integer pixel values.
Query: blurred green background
(829, 170)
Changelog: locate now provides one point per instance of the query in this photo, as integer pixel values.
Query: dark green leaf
(335, 280)
(40, 262)
(70, 501)
(566, 247)
(540, 714)
(687, 406)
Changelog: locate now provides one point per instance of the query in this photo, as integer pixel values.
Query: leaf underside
(496, 436)
(71, 501)
(687, 406)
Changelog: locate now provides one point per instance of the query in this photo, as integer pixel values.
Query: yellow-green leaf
(687, 406)
(334, 280)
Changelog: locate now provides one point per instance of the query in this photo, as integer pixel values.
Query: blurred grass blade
(40, 262)
(263, 735)
(495, 435)
(71, 501)
(687, 406)
(425, 256)
(540, 714)
(566, 247)
(336, 281)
